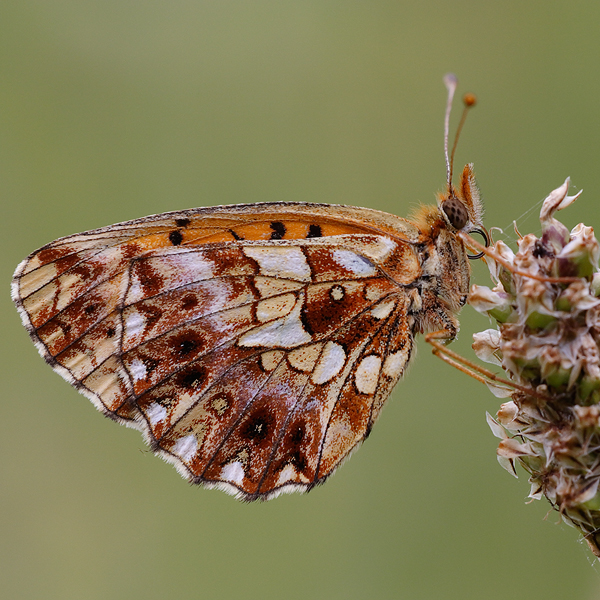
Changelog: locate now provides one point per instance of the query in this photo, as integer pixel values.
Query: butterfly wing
(253, 345)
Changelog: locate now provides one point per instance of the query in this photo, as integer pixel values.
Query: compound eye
(456, 212)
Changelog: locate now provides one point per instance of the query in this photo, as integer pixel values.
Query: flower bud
(486, 345)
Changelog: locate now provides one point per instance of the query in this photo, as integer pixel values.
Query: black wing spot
(189, 301)
(235, 235)
(297, 435)
(258, 427)
(314, 231)
(176, 237)
(298, 460)
(278, 230)
(111, 332)
(182, 222)
(149, 363)
(305, 320)
(193, 378)
(184, 347)
(90, 308)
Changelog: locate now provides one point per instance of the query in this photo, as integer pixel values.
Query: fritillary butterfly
(253, 345)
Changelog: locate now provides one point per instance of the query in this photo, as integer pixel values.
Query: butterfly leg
(447, 330)
(472, 369)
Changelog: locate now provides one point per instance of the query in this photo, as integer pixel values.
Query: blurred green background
(118, 109)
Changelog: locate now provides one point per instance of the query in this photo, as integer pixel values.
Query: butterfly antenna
(450, 81)
(469, 101)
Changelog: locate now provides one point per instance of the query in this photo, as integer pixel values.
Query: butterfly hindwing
(254, 347)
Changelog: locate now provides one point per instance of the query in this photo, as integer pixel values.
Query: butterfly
(253, 345)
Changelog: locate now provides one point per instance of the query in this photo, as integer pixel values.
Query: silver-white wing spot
(286, 262)
(395, 362)
(186, 447)
(175, 271)
(288, 473)
(367, 374)
(330, 364)
(383, 310)
(233, 472)
(156, 413)
(354, 263)
(134, 324)
(287, 332)
(137, 369)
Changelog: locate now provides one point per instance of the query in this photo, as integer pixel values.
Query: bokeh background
(118, 109)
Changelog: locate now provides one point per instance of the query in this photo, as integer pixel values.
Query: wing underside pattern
(254, 365)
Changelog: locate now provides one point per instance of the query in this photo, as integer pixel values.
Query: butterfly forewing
(253, 345)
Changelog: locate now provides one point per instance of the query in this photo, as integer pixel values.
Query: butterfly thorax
(439, 288)
(443, 283)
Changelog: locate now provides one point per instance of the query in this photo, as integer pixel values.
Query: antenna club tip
(450, 80)
(470, 100)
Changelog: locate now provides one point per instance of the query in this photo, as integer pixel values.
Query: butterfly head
(460, 207)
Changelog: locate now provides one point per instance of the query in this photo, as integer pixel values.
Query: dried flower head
(547, 307)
